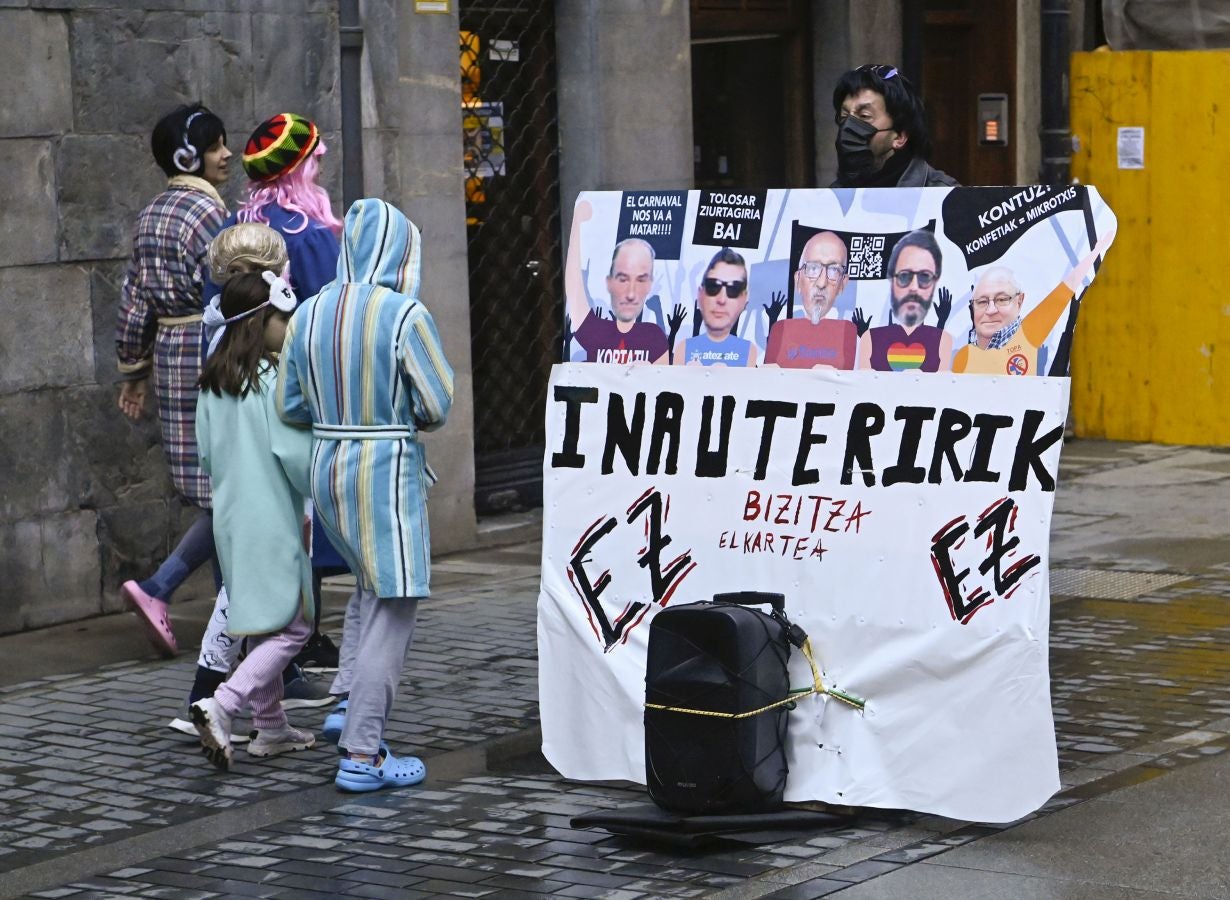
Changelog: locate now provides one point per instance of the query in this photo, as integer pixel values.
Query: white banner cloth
(904, 516)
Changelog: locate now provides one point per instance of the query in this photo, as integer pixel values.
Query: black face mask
(854, 158)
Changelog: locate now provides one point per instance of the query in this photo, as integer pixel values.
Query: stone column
(423, 176)
(625, 97)
(847, 33)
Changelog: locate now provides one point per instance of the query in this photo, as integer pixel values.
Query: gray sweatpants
(385, 629)
(351, 628)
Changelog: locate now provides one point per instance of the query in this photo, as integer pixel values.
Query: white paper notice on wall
(1131, 147)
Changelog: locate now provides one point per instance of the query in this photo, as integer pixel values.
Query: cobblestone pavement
(97, 799)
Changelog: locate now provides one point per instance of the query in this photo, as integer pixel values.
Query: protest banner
(905, 524)
(650, 275)
(903, 509)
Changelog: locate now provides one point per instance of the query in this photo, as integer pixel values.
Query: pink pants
(257, 681)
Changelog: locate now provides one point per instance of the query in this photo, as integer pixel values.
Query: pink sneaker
(153, 615)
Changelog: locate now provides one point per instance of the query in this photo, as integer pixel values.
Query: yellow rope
(722, 715)
(816, 688)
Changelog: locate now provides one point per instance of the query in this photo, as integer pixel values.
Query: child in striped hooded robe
(363, 363)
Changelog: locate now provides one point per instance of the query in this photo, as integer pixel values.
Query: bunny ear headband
(280, 296)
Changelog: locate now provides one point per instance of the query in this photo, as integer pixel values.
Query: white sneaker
(183, 726)
(214, 726)
(271, 742)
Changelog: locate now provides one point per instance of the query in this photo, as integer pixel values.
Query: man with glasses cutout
(721, 297)
(907, 344)
(1002, 341)
(882, 132)
(820, 340)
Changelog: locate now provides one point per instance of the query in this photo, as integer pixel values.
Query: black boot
(205, 683)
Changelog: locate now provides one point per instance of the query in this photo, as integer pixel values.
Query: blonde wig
(248, 242)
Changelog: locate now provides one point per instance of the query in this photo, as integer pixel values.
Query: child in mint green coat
(258, 466)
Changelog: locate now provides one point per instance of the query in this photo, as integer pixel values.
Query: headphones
(186, 158)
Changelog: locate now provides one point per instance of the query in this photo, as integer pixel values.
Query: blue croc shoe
(391, 772)
(334, 723)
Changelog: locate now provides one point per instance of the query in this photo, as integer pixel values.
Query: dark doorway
(511, 154)
(738, 114)
(969, 48)
(751, 94)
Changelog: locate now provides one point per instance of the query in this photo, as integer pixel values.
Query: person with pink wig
(282, 162)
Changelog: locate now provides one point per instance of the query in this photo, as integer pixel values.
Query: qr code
(867, 256)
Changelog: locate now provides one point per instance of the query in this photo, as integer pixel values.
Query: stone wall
(85, 499)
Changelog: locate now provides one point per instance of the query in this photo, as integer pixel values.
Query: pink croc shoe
(153, 615)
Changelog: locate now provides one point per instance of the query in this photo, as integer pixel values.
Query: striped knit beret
(278, 145)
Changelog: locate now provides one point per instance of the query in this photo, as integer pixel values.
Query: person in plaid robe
(160, 332)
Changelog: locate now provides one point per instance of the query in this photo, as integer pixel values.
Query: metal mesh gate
(512, 212)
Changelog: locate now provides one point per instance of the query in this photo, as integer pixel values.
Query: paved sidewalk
(97, 798)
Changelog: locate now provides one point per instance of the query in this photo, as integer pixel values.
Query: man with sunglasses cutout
(820, 340)
(624, 339)
(1002, 341)
(882, 132)
(907, 344)
(721, 297)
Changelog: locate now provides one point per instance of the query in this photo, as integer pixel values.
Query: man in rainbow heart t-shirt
(907, 344)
